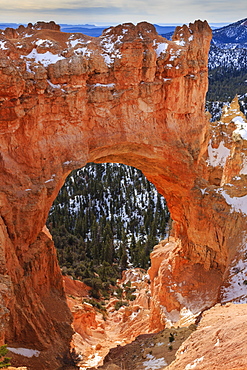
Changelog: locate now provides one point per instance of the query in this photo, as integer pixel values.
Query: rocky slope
(132, 97)
(217, 343)
(98, 329)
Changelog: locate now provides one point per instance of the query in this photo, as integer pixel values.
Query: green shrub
(128, 284)
(119, 304)
(132, 297)
(95, 304)
(171, 337)
(5, 361)
(119, 292)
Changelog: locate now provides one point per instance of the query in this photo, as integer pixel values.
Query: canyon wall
(129, 96)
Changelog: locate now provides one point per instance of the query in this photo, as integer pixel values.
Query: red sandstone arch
(130, 97)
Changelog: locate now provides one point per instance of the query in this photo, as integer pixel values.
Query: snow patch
(238, 204)
(2, 45)
(110, 50)
(154, 363)
(204, 191)
(93, 361)
(241, 127)
(83, 51)
(217, 343)
(180, 42)
(45, 59)
(217, 156)
(108, 60)
(27, 35)
(161, 48)
(103, 85)
(194, 364)
(134, 315)
(45, 43)
(67, 162)
(25, 352)
(73, 43)
(28, 64)
(236, 290)
(51, 179)
(174, 54)
(57, 86)
(19, 46)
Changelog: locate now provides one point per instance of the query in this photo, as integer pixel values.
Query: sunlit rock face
(129, 96)
(185, 283)
(99, 330)
(218, 342)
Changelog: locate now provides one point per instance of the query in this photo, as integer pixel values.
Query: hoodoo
(129, 96)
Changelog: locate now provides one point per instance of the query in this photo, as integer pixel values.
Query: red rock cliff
(129, 96)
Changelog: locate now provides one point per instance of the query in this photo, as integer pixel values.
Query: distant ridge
(89, 30)
(234, 33)
(95, 31)
(92, 30)
(12, 25)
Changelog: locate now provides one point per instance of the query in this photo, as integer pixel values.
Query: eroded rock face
(218, 342)
(129, 96)
(97, 330)
(182, 285)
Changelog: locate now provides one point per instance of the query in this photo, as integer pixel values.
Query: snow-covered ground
(26, 352)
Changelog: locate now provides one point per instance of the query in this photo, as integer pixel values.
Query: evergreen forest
(106, 218)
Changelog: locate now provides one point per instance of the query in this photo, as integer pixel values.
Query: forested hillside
(107, 217)
(228, 62)
(227, 73)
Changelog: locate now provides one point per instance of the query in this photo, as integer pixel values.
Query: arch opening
(105, 222)
(106, 215)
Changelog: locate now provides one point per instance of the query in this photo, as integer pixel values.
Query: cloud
(57, 5)
(118, 11)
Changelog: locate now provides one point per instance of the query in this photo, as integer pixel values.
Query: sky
(111, 12)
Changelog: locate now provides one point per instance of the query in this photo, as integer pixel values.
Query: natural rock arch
(129, 96)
